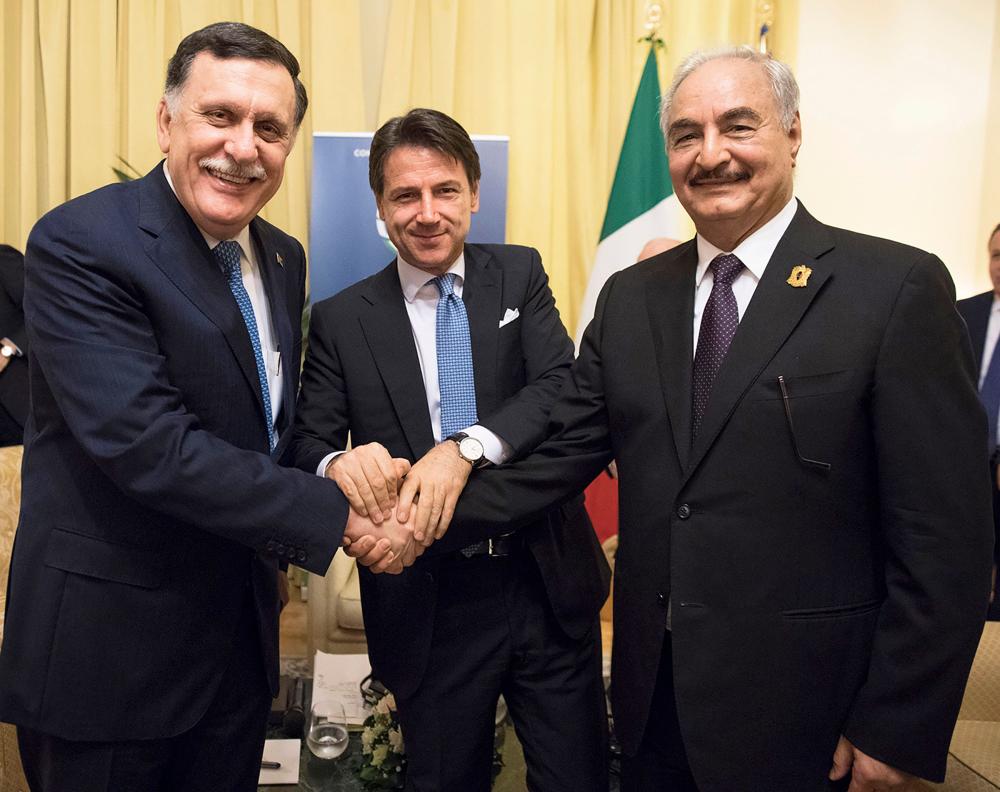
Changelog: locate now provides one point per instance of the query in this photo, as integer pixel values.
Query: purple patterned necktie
(718, 326)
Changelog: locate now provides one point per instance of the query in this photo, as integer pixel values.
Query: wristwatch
(470, 449)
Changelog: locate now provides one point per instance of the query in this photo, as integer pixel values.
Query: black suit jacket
(976, 313)
(14, 379)
(151, 510)
(362, 376)
(809, 600)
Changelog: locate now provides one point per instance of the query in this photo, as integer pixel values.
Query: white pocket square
(510, 315)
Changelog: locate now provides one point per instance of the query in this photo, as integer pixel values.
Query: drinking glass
(326, 733)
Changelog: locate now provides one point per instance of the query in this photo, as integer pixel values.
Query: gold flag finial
(654, 16)
(765, 21)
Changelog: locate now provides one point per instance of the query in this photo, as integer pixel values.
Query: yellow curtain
(558, 77)
(81, 79)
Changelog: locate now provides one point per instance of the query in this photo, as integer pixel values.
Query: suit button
(271, 544)
(280, 549)
(683, 511)
(661, 598)
(301, 556)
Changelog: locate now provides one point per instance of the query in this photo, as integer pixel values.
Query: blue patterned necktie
(454, 360)
(228, 256)
(718, 326)
(989, 394)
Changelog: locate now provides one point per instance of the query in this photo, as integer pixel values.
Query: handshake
(397, 510)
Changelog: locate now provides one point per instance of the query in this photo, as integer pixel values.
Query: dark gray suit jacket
(809, 600)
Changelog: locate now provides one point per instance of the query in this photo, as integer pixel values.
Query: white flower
(396, 740)
(367, 738)
(386, 705)
(379, 754)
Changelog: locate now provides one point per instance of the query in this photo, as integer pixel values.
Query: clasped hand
(394, 498)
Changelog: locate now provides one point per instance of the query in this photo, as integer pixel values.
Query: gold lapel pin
(800, 276)
(281, 261)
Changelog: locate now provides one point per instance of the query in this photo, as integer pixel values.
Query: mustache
(230, 168)
(724, 174)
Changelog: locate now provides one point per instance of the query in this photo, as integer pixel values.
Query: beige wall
(897, 100)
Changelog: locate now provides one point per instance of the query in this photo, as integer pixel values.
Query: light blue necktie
(989, 394)
(228, 255)
(454, 358)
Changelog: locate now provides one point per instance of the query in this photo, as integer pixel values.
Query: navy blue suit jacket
(151, 509)
(362, 375)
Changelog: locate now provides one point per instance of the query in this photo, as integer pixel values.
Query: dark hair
(993, 233)
(426, 129)
(234, 40)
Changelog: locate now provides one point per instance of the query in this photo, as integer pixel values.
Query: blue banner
(347, 241)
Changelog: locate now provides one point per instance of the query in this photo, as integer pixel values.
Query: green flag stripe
(642, 179)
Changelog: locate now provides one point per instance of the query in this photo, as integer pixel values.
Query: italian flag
(642, 205)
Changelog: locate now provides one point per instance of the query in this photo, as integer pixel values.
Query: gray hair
(783, 86)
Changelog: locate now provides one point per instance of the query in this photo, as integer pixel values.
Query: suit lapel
(177, 247)
(273, 275)
(670, 306)
(977, 327)
(386, 327)
(482, 294)
(774, 311)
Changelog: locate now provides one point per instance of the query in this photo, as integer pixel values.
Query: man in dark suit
(982, 316)
(451, 357)
(13, 348)
(804, 538)
(140, 646)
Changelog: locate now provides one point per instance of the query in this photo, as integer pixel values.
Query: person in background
(451, 357)
(982, 316)
(13, 348)
(140, 643)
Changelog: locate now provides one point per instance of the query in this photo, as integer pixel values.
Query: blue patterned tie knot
(719, 321)
(456, 381)
(228, 256)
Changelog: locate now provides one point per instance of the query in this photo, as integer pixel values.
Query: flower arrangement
(383, 757)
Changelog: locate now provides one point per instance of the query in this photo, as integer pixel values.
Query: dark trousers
(661, 764)
(220, 754)
(494, 633)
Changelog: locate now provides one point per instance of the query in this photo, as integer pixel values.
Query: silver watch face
(470, 449)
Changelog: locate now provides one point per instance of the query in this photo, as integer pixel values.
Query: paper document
(338, 676)
(286, 753)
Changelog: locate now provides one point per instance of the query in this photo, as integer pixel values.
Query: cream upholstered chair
(974, 755)
(11, 774)
(335, 621)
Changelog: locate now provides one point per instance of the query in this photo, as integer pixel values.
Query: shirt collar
(754, 251)
(412, 279)
(243, 237)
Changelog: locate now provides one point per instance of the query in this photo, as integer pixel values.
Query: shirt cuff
(495, 448)
(321, 468)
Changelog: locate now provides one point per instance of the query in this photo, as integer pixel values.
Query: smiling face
(730, 161)
(226, 136)
(427, 205)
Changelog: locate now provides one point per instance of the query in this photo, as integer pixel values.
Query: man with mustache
(140, 646)
(804, 549)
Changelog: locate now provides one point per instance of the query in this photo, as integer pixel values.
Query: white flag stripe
(620, 249)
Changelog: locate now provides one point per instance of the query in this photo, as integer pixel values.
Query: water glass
(326, 733)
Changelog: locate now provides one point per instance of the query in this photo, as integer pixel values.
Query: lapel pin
(800, 276)
(281, 261)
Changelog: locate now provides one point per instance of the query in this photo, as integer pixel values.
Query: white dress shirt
(254, 284)
(421, 296)
(754, 251)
